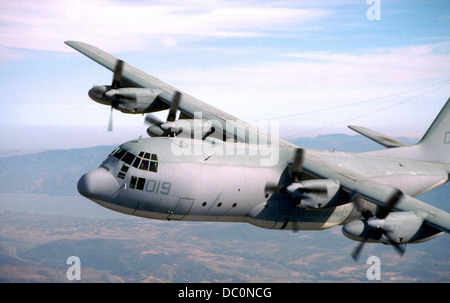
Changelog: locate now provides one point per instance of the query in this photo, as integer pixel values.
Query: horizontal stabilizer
(377, 137)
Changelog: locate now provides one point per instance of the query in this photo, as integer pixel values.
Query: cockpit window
(119, 153)
(154, 166)
(128, 158)
(136, 162)
(133, 182)
(145, 161)
(140, 183)
(144, 165)
(114, 151)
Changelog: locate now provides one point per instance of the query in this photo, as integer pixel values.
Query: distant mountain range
(53, 172)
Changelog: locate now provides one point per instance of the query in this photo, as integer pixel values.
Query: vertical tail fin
(435, 144)
(433, 147)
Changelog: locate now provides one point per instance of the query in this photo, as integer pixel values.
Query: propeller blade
(110, 124)
(357, 251)
(117, 74)
(361, 206)
(295, 227)
(322, 190)
(397, 246)
(174, 107)
(152, 119)
(296, 170)
(393, 200)
(297, 165)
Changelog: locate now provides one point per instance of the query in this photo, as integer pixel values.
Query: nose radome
(98, 184)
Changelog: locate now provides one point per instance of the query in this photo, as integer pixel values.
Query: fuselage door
(181, 209)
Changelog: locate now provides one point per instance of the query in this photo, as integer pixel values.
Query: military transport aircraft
(208, 165)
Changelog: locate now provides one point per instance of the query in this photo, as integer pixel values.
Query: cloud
(307, 82)
(387, 65)
(256, 60)
(369, 67)
(125, 26)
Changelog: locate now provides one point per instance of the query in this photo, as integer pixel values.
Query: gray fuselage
(145, 178)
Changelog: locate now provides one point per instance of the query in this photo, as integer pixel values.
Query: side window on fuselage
(137, 183)
(140, 183)
(133, 182)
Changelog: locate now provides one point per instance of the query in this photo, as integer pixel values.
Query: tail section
(433, 147)
(435, 144)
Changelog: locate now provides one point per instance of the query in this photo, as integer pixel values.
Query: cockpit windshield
(145, 161)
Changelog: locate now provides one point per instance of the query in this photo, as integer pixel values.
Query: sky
(313, 67)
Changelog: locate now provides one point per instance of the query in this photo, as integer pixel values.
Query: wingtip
(73, 43)
(70, 43)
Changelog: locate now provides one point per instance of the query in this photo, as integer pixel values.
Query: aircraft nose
(98, 184)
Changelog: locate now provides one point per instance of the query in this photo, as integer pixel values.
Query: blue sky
(315, 66)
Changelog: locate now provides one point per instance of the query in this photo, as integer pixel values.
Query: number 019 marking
(158, 187)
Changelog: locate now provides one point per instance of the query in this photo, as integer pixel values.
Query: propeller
(110, 123)
(117, 77)
(171, 117)
(295, 186)
(295, 228)
(296, 177)
(297, 166)
(174, 107)
(296, 170)
(375, 223)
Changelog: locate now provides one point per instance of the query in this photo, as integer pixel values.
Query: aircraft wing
(377, 193)
(189, 105)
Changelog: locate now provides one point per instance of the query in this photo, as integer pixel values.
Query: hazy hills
(43, 221)
(52, 172)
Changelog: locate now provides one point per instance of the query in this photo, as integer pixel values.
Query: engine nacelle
(128, 99)
(320, 193)
(401, 227)
(155, 131)
(186, 128)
